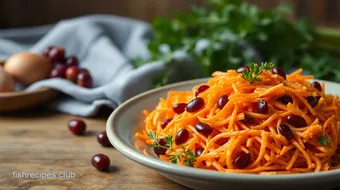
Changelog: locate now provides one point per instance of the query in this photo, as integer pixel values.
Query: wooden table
(39, 141)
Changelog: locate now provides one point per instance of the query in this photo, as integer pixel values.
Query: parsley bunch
(227, 34)
(188, 156)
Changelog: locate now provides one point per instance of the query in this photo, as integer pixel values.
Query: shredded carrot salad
(276, 125)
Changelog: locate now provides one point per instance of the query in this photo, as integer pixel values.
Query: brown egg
(27, 68)
(6, 82)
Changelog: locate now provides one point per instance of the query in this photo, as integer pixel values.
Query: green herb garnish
(252, 74)
(228, 28)
(188, 156)
(323, 140)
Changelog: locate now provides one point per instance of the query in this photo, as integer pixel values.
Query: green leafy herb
(188, 156)
(323, 140)
(168, 140)
(236, 33)
(152, 135)
(252, 75)
(175, 158)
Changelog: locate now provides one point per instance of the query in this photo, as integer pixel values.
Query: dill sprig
(252, 74)
(188, 156)
(323, 140)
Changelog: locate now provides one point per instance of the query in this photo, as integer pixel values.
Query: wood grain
(17, 100)
(40, 142)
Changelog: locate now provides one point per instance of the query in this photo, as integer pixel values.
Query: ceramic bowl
(128, 118)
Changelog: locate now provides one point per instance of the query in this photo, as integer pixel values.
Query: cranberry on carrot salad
(256, 119)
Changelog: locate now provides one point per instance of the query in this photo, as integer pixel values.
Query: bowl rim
(198, 173)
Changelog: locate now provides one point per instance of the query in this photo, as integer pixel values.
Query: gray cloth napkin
(104, 45)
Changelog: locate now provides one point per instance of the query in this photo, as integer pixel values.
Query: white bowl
(128, 118)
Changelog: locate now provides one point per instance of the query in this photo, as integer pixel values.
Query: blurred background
(23, 13)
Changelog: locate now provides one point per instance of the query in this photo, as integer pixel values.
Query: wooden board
(12, 101)
(40, 142)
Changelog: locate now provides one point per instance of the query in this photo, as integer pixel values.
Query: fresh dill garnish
(187, 156)
(252, 74)
(323, 140)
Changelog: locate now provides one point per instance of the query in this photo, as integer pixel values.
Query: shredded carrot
(238, 127)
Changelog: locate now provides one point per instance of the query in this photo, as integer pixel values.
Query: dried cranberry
(262, 107)
(285, 131)
(182, 136)
(279, 71)
(71, 73)
(313, 100)
(296, 121)
(160, 150)
(242, 160)
(195, 105)
(316, 85)
(56, 54)
(248, 119)
(203, 128)
(222, 101)
(165, 123)
(338, 149)
(101, 162)
(199, 151)
(84, 80)
(103, 140)
(72, 60)
(285, 99)
(179, 108)
(243, 68)
(83, 70)
(46, 51)
(201, 89)
(77, 126)
(58, 71)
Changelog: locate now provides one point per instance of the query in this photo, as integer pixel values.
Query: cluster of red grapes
(67, 67)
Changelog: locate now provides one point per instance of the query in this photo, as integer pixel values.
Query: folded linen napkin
(104, 44)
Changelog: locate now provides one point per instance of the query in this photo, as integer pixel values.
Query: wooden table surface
(39, 141)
